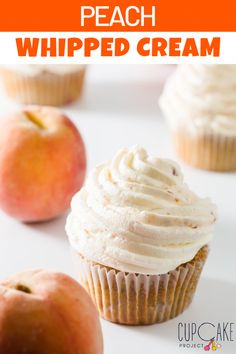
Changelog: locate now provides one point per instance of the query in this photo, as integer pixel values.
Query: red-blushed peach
(44, 312)
(42, 163)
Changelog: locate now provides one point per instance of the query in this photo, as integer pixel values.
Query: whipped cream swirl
(201, 98)
(135, 214)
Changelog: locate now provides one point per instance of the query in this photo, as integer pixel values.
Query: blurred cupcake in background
(54, 85)
(139, 238)
(199, 102)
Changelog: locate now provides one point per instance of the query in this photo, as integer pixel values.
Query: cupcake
(43, 84)
(199, 102)
(139, 238)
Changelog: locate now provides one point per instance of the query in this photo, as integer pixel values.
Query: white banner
(117, 48)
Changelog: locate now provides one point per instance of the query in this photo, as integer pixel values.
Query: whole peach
(43, 312)
(42, 163)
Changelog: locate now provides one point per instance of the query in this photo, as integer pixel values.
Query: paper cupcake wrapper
(45, 88)
(137, 299)
(213, 152)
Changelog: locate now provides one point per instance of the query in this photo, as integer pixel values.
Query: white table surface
(120, 108)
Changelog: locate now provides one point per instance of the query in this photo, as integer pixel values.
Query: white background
(120, 108)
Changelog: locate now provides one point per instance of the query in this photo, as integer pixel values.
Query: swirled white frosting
(135, 214)
(36, 69)
(201, 98)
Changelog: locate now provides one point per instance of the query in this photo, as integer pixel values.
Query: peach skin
(42, 163)
(43, 312)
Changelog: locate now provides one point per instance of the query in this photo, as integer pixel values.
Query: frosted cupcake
(139, 238)
(43, 84)
(199, 102)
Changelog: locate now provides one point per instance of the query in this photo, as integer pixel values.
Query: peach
(43, 312)
(42, 163)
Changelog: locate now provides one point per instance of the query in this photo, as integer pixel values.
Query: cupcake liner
(138, 299)
(213, 152)
(45, 88)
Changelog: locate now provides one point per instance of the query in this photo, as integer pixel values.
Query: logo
(212, 345)
(206, 336)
